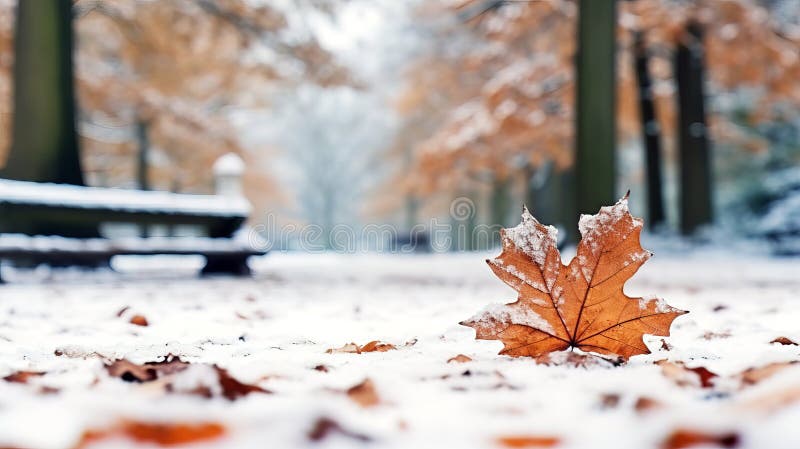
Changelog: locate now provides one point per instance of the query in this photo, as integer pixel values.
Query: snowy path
(274, 329)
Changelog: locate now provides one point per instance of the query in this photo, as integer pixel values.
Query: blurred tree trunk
(500, 202)
(695, 163)
(142, 155)
(651, 134)
(45, 144)
(529, 174)
(463, 220)
(553, 203)
(411, 200)
(595, 173)
(542, 198)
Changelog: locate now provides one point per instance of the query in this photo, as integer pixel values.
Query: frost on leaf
(581, 305)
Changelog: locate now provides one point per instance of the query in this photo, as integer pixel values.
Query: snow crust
(272, 330)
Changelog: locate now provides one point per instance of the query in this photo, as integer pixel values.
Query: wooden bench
(62, 223)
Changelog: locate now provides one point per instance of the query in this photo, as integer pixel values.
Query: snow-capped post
(228, 171)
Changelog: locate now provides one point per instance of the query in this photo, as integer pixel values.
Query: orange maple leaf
(581, 305)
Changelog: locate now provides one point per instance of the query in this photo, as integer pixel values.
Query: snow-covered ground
(274, 329)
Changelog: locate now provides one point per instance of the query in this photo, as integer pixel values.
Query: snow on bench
(121, 200)
(21, 243)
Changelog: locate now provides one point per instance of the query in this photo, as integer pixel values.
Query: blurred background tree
(390, 110)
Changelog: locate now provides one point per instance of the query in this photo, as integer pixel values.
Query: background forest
(356, 112)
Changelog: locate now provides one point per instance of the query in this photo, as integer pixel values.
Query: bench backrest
(22, 203)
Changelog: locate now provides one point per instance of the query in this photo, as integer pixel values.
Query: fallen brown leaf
(160, 434)
(645, 404)
(377, 346)
(324, 427)
(784, 341)
(517, 441)
(349, 348)
(364, 394)
(22, 377)
(132, 372)
(609, 400)
(352, 348)
(684, 376)
(232, 389)
(139, 320)
(682, 438)
(580, 305)
(752, 376)
(461, 358)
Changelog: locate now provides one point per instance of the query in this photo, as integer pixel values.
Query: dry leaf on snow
(364, 394)
(646, 404)
(683, 438)
(139, 320)
(609, 400)
(22, 377)
(521, 441)
(324, 427)
(752, 376)
(461, 358)
(684, 376)
(581, 305)
(156, 433)
(232, 389)
(147, 372)
(701, 376)
(352, 348)
(209, 381)
(349, 348)
(784, 341)
(377, 346)
(228, 386)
